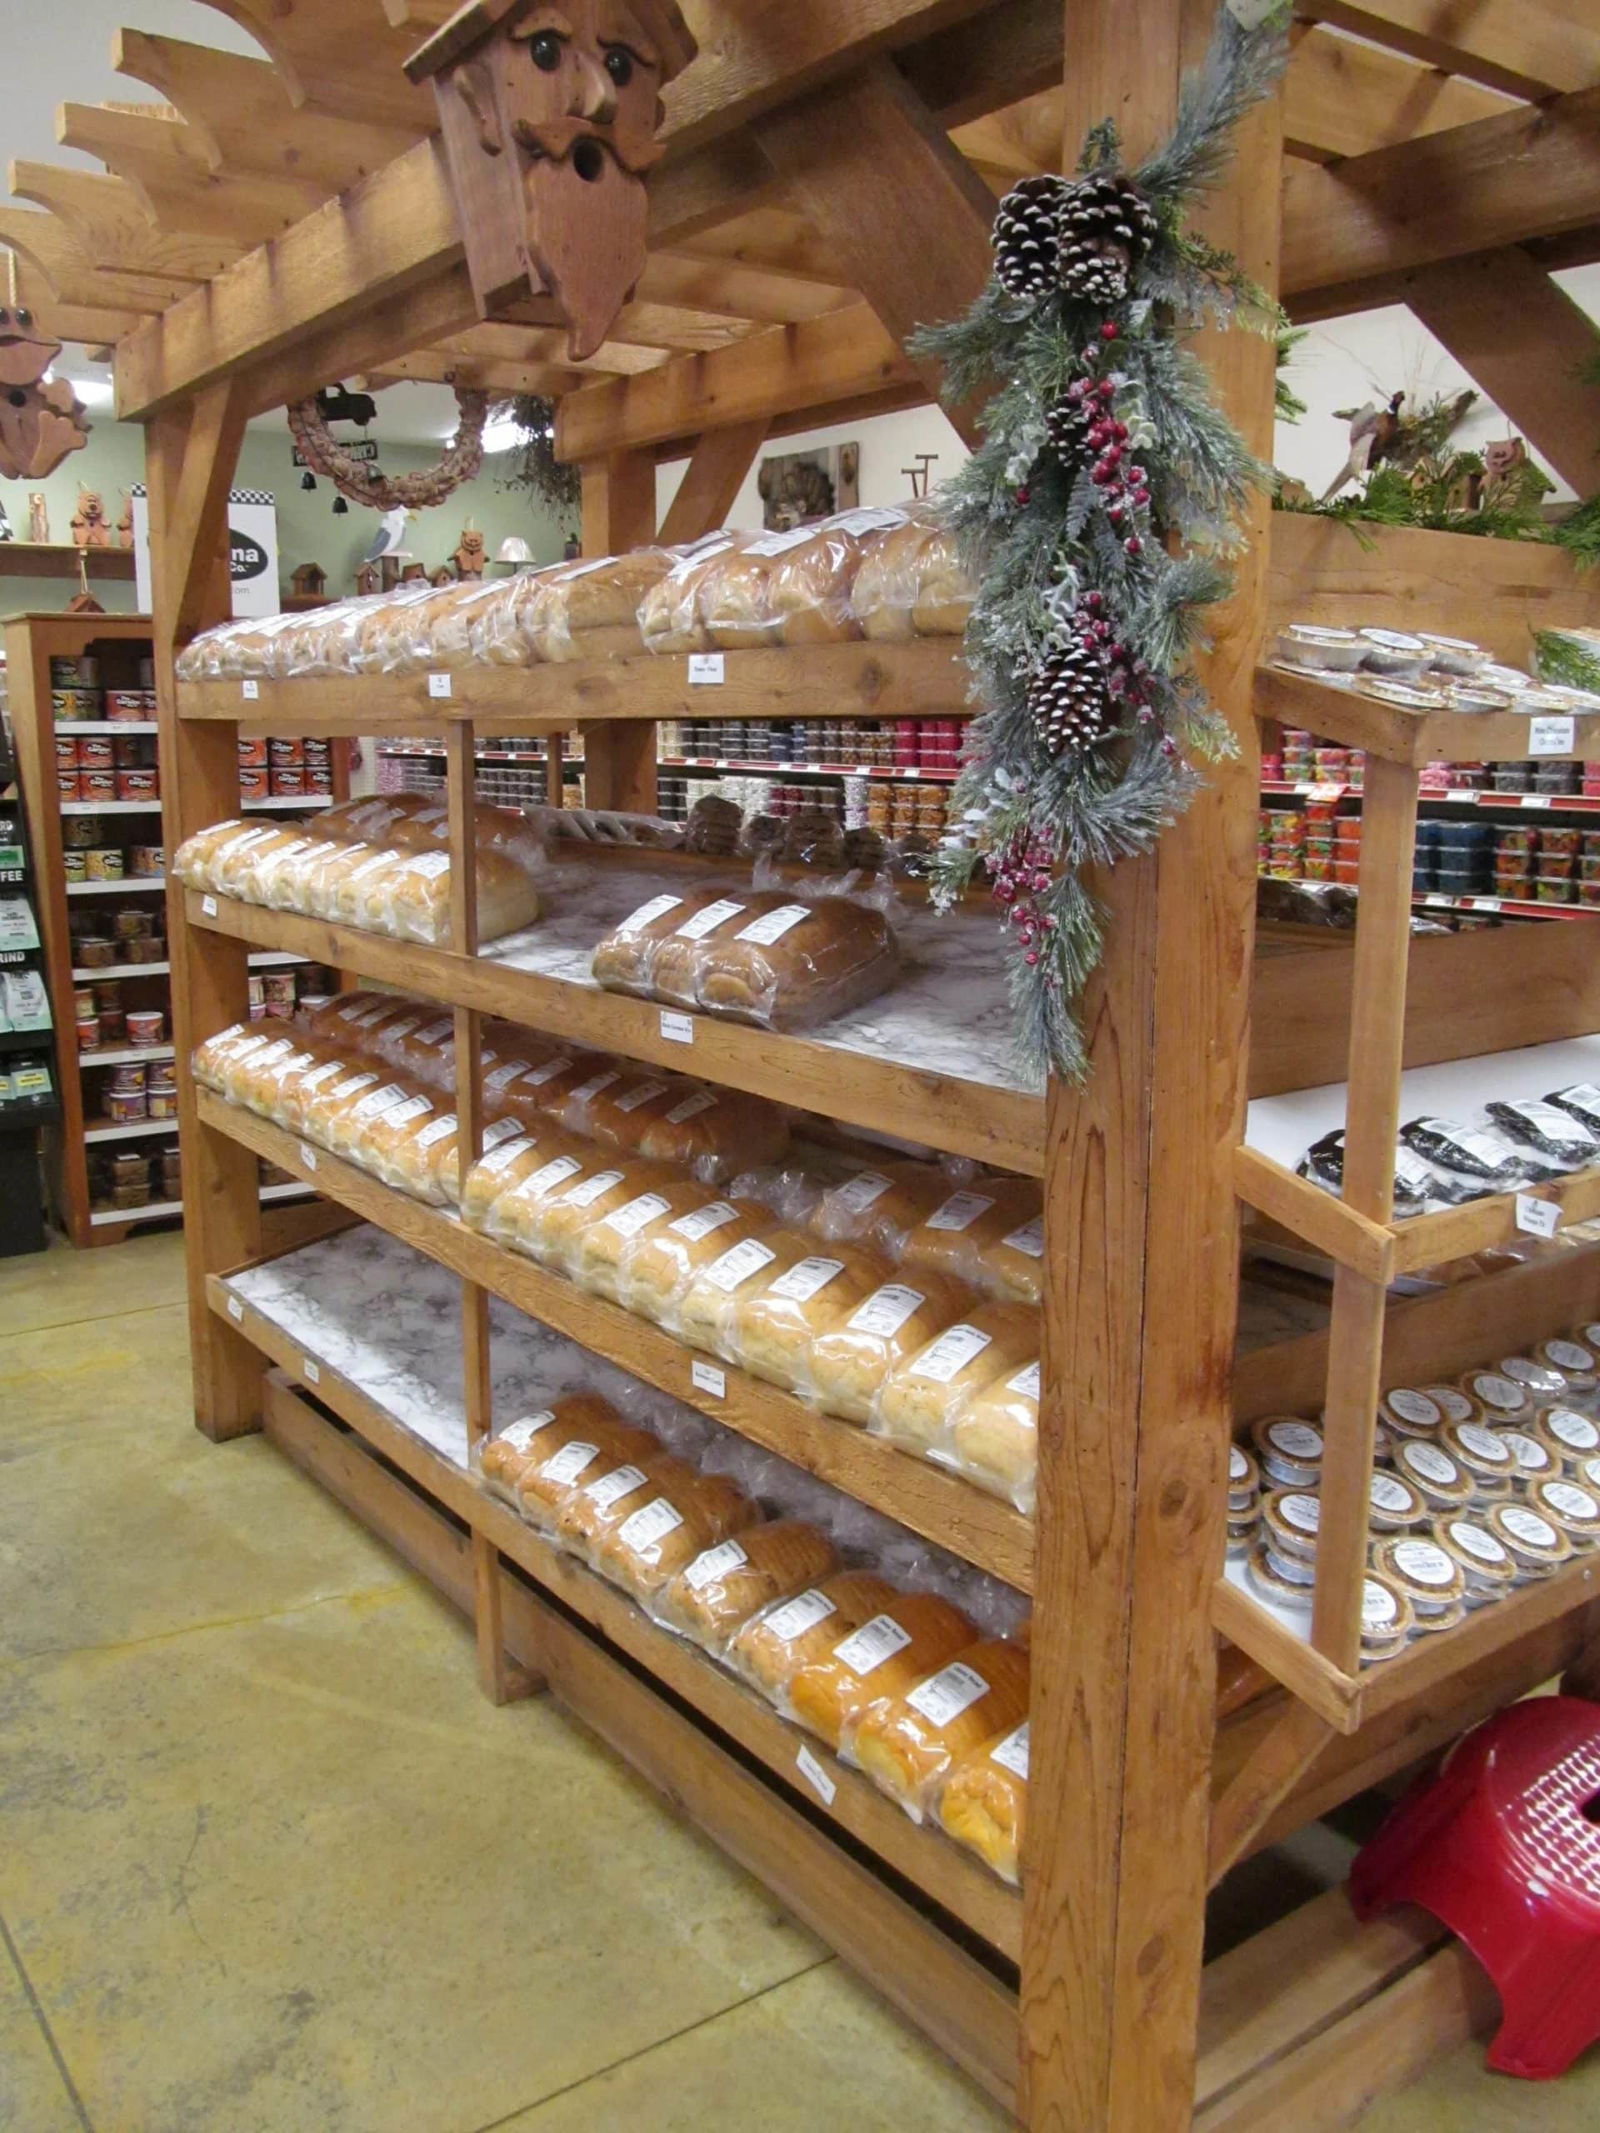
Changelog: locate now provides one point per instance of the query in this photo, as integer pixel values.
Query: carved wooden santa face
(587, 80)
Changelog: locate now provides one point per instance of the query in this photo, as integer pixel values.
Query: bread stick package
(850, 1361)
(716, 1594)
(772, 1647)
(920, 1397)
(909, 1744)
(984, 1801)
(914, 1635)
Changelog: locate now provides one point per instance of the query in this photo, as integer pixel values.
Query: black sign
(363, 448)
(246, 558)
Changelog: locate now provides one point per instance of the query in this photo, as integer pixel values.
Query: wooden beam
(112, 225)
(340, 54)
(619, 513)
(83, 323)
(1528, 173)
(362, 342)
(59, 256)
(1530, 48)
(714, 476)
(164, 163)
(740, 292)
(441, 366)
(1280, 1760)
(1342, 98)
(1525, 343)
(904, 213)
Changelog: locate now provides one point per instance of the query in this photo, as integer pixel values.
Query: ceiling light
(93, 392)
(503, 436)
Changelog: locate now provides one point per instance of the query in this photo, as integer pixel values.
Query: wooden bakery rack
(828, 184)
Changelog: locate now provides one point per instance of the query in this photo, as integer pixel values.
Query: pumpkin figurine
(39, 423)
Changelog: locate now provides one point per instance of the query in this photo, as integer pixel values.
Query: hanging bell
(308, 480)
(340, 507)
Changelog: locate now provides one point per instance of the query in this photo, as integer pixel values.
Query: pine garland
(1103, 454)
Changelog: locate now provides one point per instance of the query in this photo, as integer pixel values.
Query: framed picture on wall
(798, 486)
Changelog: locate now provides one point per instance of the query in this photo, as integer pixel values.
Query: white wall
(888, 443)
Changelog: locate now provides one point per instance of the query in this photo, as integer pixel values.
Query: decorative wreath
(366, 484)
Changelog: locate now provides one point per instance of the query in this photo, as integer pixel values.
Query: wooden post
(190, 455)
(619, 512)
(1139, 1325)
(712, 480)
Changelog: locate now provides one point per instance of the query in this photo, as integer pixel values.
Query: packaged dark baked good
(1548, 1129)
(1414, 1180)
(1581, 1101)
(1470, 1159)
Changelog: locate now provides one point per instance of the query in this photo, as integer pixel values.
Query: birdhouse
(549, 117)
(309, 581)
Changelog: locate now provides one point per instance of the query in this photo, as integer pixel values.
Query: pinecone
(1026, 236)
(1106, 227)
(1069, 701)
(1067, 424)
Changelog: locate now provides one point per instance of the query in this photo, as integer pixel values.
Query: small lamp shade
(514, 549)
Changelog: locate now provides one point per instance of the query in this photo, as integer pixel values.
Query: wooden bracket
(1281, 1759)
(712, 480)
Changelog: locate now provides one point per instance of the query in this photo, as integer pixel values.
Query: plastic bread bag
(513, 1215)
(785, 963)
(342, 1124)
(993, 1437)
(373, 631)
(773, 1645)
(421, 1042)
(881, 1206)
(713, 1596)
(1547, 1129)
(709, 1305)
(733, 592)
(625, 960)
(954, 1237)
(983, 1801)
(1012, 1268)
(851, 1361)
(232, 860)
(659, 1267)
(439, 1145)
(370, 818)
(669, 614)
(772, 1329)
(919, 1398)
(300, 1090)
(391, 1147)
(618, 1114)
(571, 1453)
(411, 901)
(602, 1248)
(518, 1446)
(196, 859)
(541, 1087)
(810, 593)
(251, 871)
(243, 1069)
(555, 1225)
(590, 610)
(911, 1637)
(680, 1515)
(318, 887)
(275, 1093)
(611, 1490)
(498, 629)
(909, 1744)
(504, 1167)
(790, 1192)
(211, 1060)
(888, 579)
(1581, 1100)
(715, 1133)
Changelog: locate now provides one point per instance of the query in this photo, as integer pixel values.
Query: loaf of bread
(921, 1396)
(212, 1059)
(420, 1042)
(1013, 1265)
(370, 818)
(615, 1107)
(411, 901)
(953, 1237)
(518, 1448)
(772, 1647)
(503, 1169)
(247, 1076)
(514, 1215)
(809, 595)
(391, 1145)
(706, 1311)
(945, 588)
(772, 1329)
(661, 1265)
(611, 1490)
(552, 1231)
(424, 829)
(713, 1596)
(316, 885)
(678, 958)
(885, 591)
(994, 1436)
(850, 1362)
(298, 1090)
(670, 618)
(881, 1206)
(603, 1247)
(716, 1133)
(790, 965)
(678, 1519)
(541, 1090)
(984, 1801)
(344, 1122)
(501, 629)
(273, 1092)
(571, 1453)
(591, 610)
(909, 1744)
(911, 1637)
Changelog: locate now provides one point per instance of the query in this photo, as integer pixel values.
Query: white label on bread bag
(627, 1221)
(795, 1617)
(815, 1776)
(1012, 1753)
(383, 1099)
(950, 1354)
(804, 1281)
(647, 914)
(613, 1487)
(861, 1192)
(537, 1076)
(521, 1433)
(591, 1189)
(943, 1698)
(651, 1524)
(502, 1130)
(372, 865)
(413, 1107)
(435, 1030)
(780, 543)
(1424, 1562)
(1575, 1431)
(867, 518)
(1528, 1527)
(503, 1076)
(1029, 1240)
(430, 1136)
(715, 1563)
(1025, 1382)
(886, 1311)
(738, 1263)
(352, 1086)
(548, 1176)
(868, 1647)
(571, 1461)
(586, 1091)
(960, 1211)
(692, 1106)
(701, 1221)
(402, 1028)
(773, 925)
(505, 1155)
(696, 927)
(642, 1093)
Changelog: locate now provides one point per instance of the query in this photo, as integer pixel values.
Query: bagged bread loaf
(515, 1451)
(984, 1801)
(715, 1133)
(678, 957)
(248, 1073)
(500, 630)
(772, 1329)
(611, 1490)
(911, 1637)
(300, 1088)
(615, 1106)
(772, 1647)
(191, 862)
(370, 818)
(945, 588)
(569, 1453)
(503, 1169)
(412, 901)
(707, 1308)
(318, 888)
(811, 591)
(791, 965)
(389, 1143)
(1013, 1265)
(713, 1596)
(670, 617)
(256, 861)
(678, 1518)
(850, 1361)
(885, 591)
(660, 1266)
(603, 1247)
(993, 1436)
(953, 1237)
(514, 1214)
(274, 1093)
(909, 1744)
(421, 1042)
(343, 1122)
(880, 1207)
(921, 1396)
(211, 1061)
(624, 960)
(591, 610)
(552, 1229)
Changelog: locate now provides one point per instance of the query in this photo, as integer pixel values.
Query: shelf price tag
(706, 670)
(313, 1372)
(235, 1310)
(1552, 736)
(1533, 799)
(706, 1377)
(308, 1155)
(815, 1776)
(676, 1028)
(1536, 1217)
(252, 691)
(208, 907)
(1485, 903)
(438, 685)
(1324, 792)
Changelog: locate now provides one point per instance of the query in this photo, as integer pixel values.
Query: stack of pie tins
(1386, 1618)
(1244, 1500)
(1574, 1358)
(1428, 1575)
(1535, 1545)
(1571, 1439)
(1283, 1565)
(1485, 1562)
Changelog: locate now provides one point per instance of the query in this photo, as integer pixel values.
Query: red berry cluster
(1127, 677)
(1022, 874)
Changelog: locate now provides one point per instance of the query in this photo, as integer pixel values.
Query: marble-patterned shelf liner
(948, 1014)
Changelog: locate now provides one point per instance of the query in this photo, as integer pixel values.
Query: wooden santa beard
(586, 237)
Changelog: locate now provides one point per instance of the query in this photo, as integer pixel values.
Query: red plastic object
(1503, 1846)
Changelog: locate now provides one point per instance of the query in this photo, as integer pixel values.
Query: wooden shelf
(936, 1504)
(111, 807)
(166, 1210)
(287, 802)
(1414, 738)
(925, 679)
(125, 1055)
(104, 725)
(59, 559)
(999, 1126)
(129, 882)
(135, 1129)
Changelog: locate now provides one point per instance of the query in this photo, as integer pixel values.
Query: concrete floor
(268, 1864)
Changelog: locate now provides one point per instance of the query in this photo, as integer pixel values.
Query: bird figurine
(391, 532)
(1373, 431)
